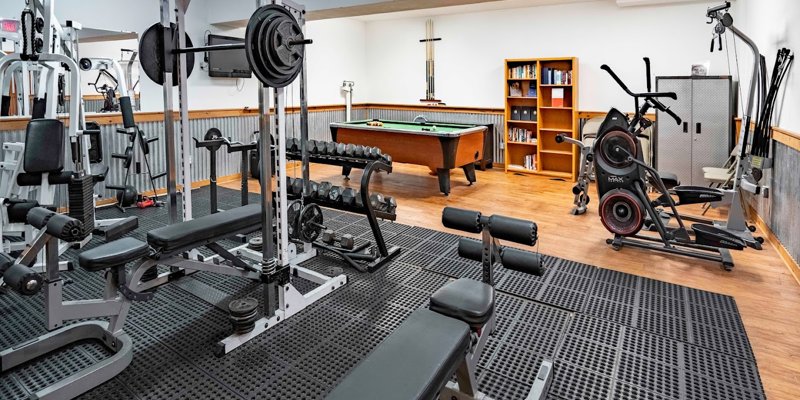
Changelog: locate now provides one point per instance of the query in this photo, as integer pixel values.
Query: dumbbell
(350, 150)
(376, 201)
(313, 189)
(359, 151)
(349, 196)
(292, 145)
(297, 187)
(345, 241)
(335, 194)
(323, 190)
(386, 158)
(391, 204)
(341, 149)
(289, 184)
(313, 146)
(330, 148)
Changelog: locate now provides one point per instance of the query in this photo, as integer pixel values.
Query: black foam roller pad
(463, 220)
(65, 228)
(38, 217)
(522, 261)
(18, 210)
(5, 262)
(127, 112)
(470, 249)
(513, 229)
(23, 279)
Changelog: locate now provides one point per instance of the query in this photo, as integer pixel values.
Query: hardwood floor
(766, 292)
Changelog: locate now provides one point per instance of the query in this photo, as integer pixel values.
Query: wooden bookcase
(549, 158)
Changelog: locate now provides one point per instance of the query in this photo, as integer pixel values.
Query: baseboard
(787, 258)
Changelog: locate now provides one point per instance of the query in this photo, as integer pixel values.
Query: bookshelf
(541, 102)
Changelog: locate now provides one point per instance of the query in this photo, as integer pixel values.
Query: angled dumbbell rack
(385, 254)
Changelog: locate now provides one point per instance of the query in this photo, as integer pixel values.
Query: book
(532, 90)
(515, 89)
(557, 97)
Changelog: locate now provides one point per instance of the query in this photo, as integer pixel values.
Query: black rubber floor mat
(612, 335)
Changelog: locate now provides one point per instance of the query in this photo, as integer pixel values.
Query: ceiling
(370, 10)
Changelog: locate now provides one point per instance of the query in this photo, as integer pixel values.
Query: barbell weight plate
(274, 60)
(212, 134)
(309, 224)
(152, 57)
(293, 215)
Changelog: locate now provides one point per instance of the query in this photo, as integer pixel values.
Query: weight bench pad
(207, 229)
(112, 254)
(414, 362)
(468, 300)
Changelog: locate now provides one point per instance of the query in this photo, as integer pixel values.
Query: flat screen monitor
(227, 63)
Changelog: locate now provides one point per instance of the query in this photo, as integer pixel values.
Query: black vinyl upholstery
(468, 300)
(414, 362)
(44, 146)
(200, 231)
(112, 254)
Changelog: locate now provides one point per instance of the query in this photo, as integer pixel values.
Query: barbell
(274, 45)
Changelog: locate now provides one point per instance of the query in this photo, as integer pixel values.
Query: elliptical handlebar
(624, 87)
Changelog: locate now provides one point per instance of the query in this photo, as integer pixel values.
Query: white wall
(772, 24)
(469, 59)
(106, 49)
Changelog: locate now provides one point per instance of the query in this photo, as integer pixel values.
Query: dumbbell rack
(384, 254)
(130, 159)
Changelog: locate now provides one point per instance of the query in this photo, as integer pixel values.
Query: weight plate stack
(272, 52)
(243, 314)
(81, 202)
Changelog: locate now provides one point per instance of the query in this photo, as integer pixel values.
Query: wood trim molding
(432, 108)
(593, 114)
(786, 137)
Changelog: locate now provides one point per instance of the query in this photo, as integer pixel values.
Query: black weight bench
(175, 246)
(418, 359)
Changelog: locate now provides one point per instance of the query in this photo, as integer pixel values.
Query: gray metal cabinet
(705, 137)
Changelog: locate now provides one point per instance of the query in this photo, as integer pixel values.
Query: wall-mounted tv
(227, 63)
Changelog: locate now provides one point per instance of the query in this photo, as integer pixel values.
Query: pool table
(439, 146)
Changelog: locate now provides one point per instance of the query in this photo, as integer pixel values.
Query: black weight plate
(274, 62)
(310, 222)
(293, 215)
(242, 306)
(151, 54)
(212, 134)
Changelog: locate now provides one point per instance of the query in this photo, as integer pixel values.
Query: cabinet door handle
(698, 128)
(685, 127)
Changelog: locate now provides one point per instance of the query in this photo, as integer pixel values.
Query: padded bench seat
(206, 229)
(414, 362)
(466, 299)
(113, 254)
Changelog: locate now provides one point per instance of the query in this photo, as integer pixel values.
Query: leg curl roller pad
(513, 229)
(22, 279)
(464, 220)
(38, 217)
(65, 228)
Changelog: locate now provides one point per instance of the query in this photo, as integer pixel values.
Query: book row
(522, 72)
(551, 76)
(522, 135)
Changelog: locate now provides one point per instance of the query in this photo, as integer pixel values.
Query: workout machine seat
(414, 362)
(113, 254)
(207, 229)
(468, 300)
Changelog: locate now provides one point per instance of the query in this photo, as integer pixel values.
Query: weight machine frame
(277, 258)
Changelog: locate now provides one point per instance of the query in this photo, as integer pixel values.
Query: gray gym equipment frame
(277, 256)
(57, 311)
(581, 188)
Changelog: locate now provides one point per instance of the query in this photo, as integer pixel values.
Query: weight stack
(81, 202)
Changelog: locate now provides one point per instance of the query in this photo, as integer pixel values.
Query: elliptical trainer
(622, 177)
